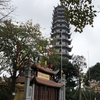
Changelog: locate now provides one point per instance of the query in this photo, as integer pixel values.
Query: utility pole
(79, 87)
(61, 90)
(27, 83)
(64, 84)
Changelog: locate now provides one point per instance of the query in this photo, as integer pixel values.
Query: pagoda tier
(66, 55)
(61, 31)
(65, 39)
(58, 33)
(65, 49)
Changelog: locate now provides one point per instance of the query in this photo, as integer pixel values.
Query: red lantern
(17, 47)
(51, 65)
(19, 59)
(48, 53)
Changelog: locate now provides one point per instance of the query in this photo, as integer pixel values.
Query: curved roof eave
(46, 70)
(47, 82)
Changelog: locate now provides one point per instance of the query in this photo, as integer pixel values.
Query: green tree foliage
(4, 92)
(21, 43)
(73, 94)
(93, 72)
(48, 53)
(71, 73)
(79, 13)
(85, 94)
(79, 63)
(53, 59)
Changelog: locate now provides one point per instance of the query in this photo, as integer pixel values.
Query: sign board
(43, 76)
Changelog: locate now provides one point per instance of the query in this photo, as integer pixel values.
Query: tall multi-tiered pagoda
(61, 31)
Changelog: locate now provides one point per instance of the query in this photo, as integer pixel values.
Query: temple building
(41, 87)
(61, 31)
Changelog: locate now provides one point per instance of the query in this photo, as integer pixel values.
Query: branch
(7, 15)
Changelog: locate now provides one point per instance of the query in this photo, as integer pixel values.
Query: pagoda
(61, 31)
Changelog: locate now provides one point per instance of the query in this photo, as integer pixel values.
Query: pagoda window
(57, 30)
(66, 51)
(63, 31)
(63, 43)
(54, 31)
(66, 37)
(66, 43)
(63, 37)
(57, 36)
(57, 43)
(63, 25)
(63, 50)
(59, 50)
(58, 20)
(58, 25)
(62, 20)
(60, 42)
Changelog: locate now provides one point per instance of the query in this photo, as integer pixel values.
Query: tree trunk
(12, 86)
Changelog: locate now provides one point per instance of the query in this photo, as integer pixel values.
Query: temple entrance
(45, 93)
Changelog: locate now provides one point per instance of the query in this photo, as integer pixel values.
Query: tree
(71, 73)
(79, 62)
(4, 92)
(79, 13)
(21, 45)
(48, 53)
(5, 9)
(93, 72)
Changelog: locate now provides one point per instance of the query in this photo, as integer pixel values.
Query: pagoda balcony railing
(55, 33)
(58, 12)
(58, 31)
(63, 53)
(65, 38)
(63, 46)
(60, 21)
(59, 9)
(58, 17)
(61, 26)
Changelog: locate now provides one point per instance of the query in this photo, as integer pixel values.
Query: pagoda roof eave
(47, 82)
(68, 48)
(66, 55)
(44, 69)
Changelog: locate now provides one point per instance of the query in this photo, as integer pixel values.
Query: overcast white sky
(40, 11)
